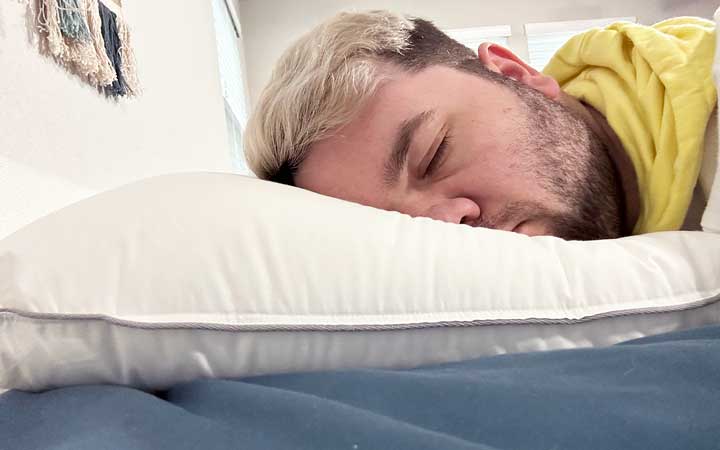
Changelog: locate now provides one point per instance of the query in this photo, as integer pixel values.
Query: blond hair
(317, 86)
(324, 78)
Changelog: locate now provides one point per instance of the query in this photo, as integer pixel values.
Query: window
(473, 37)
(544, 39)
(232, 77)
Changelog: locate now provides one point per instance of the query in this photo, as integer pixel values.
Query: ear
(501, 60)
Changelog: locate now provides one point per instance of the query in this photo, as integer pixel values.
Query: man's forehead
(347, 164)
(356, 152)
(377, 118)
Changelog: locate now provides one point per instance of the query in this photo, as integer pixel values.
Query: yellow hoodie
(654, 86)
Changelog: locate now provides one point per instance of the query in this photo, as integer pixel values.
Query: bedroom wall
(60, 141)
(270, 25)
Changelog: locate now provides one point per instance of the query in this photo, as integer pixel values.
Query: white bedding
(212, 275)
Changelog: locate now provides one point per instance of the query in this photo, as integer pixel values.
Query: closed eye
(438, 157)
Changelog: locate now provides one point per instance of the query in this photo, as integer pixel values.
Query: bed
(216, 311)
(660, 392)
(269, 317)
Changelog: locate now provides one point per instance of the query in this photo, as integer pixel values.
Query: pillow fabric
(217, 275)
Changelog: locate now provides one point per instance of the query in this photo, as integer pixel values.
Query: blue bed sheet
(654, 393)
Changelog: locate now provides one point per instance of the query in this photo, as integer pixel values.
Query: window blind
(473, 37)
(544, 39)
(232, 77)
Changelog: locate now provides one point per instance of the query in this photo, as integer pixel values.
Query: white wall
(269, 26)
(61, 141)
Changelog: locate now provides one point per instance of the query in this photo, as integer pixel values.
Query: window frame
(235, 114)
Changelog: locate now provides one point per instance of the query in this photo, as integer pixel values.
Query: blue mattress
(654, 393)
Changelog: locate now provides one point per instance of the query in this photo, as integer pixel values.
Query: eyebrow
(397, 159)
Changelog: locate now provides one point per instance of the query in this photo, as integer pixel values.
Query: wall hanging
(91, 39)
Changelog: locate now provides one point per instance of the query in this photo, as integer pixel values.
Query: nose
(454, 210)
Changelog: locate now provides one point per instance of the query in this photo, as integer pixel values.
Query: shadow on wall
(30, 23)
(703, 8)
(2, 26)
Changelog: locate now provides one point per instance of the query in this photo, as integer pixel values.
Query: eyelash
(438, 156)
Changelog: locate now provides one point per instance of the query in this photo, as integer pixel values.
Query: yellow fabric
(654, 86)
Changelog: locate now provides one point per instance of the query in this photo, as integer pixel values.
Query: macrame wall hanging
(90, 38)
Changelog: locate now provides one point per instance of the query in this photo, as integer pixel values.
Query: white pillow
(216, 275)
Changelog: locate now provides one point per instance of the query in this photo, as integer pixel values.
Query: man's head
(388, 111)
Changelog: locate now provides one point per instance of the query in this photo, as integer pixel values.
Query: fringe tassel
(78, 56)
(49, 26)
(90, 40)
(112, 47)
(72, 21)
(127, 57)
(81, 53)
(104, 73)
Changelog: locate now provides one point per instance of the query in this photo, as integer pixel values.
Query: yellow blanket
(654, 86)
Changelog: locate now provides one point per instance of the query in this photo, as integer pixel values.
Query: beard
(568, 160)
(572, 164)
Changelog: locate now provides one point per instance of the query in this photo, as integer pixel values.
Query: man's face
(453, 146)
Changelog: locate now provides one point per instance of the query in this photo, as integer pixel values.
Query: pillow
(216, 275)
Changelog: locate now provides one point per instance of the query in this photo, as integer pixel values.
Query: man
(387, 111)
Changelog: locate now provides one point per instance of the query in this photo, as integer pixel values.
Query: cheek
(499, 177)
(492, 164)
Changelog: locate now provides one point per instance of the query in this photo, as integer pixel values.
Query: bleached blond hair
(317, 85)
(323, 79)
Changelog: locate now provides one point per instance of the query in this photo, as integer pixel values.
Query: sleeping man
(388, 111)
